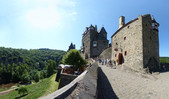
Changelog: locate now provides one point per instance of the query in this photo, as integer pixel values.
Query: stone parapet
(82, 87)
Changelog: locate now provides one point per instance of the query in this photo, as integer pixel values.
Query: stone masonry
(136, 44)
(132, 85)
(93, 42)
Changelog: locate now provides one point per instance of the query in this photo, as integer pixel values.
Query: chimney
(121, 21)
(95, 28)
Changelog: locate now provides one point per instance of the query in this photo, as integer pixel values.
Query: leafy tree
(26, 78)
(51, 67)
(22, 91)
(37, 77)
(74, 58)
(14, 63)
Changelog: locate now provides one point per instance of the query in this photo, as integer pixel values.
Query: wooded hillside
(25, 65)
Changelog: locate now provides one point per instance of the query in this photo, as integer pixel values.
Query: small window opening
(124, 38)
(125, 53)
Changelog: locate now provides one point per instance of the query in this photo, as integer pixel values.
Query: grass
(4, 89)
(42, 88)
(53, 86)
(164, 59)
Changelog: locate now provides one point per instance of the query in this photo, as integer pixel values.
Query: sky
(54, 24)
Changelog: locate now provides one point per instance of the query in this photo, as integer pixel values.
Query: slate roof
(99, 37)
(102, 30)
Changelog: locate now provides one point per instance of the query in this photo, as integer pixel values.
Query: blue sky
(32, 24)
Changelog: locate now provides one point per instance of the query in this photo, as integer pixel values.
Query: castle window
(155, 26)
(115, 49)
(94, 43)
(128, 26)
(124, 38)
(125, 53)
(115, 55)
(116, 43)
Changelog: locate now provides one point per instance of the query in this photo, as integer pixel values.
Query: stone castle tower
(93, 42)
(136, 44)
(72, 46)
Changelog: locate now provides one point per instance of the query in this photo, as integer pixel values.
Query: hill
(164, 59)
(21, 64)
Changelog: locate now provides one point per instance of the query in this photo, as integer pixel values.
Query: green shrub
(22, 91)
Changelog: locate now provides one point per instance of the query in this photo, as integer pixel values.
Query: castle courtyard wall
(150, 44)
(138, 42)
(101, 46)
(128, 42)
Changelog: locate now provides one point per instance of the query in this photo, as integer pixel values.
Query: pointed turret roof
(71, 44)
(154, 21)
(102, 30)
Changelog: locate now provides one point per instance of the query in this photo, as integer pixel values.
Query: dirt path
(7, 91)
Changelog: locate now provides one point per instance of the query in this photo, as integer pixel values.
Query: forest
(22, 65)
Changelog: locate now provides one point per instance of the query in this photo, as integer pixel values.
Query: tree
(74, 58)
(26, 78)
(51, 67)
(22, 91)
(37, 77)
(14, 63)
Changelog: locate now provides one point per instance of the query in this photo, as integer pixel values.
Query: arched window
(94, 43)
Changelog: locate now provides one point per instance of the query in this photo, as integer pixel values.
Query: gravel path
(132, 85)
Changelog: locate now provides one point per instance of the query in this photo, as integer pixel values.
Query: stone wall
(137, 44)
(106, 54)
(82, 87)
(128, 41)
(66, 79)
(90, 36)
(164, 67)
(86, 42)
(101, 46)
(150, 45)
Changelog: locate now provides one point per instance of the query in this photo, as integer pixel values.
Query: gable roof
(102, 30)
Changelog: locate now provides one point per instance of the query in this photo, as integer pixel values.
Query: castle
(136, 44)
(93, 42)
(72, 46)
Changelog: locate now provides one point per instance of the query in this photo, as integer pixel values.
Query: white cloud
(44, 17)
(50, 13)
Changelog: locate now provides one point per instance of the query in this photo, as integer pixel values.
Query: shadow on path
(104, 88)
(19, 97)
(66, 93)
